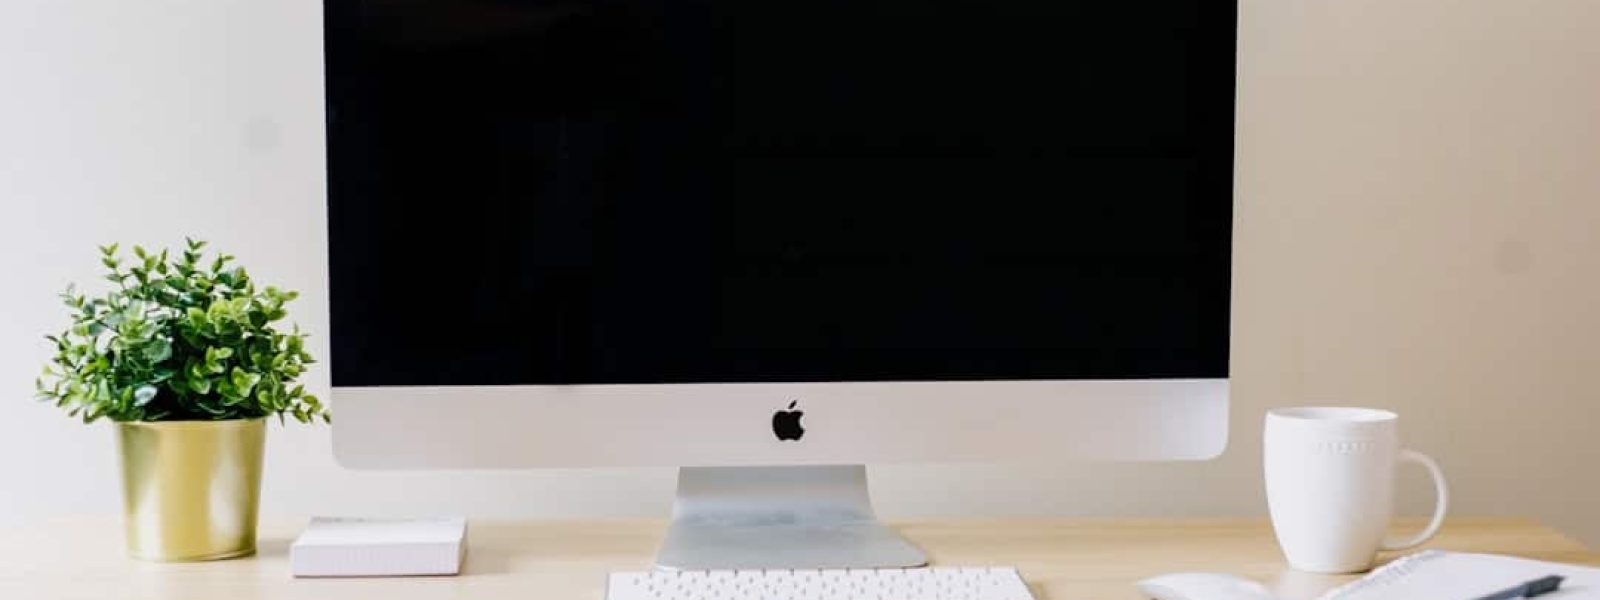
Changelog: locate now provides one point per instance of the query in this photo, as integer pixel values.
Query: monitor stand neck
(807, 517)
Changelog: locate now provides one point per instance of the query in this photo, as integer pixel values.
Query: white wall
(1418, 208)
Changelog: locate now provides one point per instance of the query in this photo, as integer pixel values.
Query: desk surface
(1062, 559)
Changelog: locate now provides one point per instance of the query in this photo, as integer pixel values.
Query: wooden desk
(552, 560)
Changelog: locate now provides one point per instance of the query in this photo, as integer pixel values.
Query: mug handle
(1442, 502)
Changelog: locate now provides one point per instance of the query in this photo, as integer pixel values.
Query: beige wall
(1418, 196)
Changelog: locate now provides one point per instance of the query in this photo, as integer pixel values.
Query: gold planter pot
(191, 488)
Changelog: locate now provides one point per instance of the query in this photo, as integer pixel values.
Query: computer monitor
(761, 239)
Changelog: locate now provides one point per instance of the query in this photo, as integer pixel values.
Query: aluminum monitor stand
(805, 517)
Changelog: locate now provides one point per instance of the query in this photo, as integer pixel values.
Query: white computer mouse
(1203, 586)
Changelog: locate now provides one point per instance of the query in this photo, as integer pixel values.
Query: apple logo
(786, 423)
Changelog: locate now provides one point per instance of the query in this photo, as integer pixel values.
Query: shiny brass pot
(191, 488)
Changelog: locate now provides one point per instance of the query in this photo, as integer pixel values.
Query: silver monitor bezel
(729, 424)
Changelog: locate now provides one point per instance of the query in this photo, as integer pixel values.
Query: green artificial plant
(180, 339)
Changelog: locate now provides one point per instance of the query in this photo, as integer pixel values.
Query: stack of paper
(341, 547)
(1461, 576)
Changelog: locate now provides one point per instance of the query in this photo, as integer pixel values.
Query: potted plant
(184, 354)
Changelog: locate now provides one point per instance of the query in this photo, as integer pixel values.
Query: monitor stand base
(807, 517)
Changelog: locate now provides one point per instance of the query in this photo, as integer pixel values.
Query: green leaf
(200, 386)
(217, 311)
(157, 351)
(214, 357)
(143, 395)
(243, 381)
(228, 393)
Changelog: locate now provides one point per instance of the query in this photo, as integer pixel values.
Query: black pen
(1537, 587)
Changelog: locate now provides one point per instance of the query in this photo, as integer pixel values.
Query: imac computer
(769, 241)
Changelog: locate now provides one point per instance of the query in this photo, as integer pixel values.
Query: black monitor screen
(673, 191)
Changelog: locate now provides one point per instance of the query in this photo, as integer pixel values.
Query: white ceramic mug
(1330, 485)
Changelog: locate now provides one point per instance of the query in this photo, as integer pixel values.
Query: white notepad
(354, 547)
(1434, 574)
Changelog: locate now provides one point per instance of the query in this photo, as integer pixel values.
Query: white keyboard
(938, 583)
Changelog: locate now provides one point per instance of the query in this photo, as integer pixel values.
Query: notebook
(353, 547)
(1435, 574)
